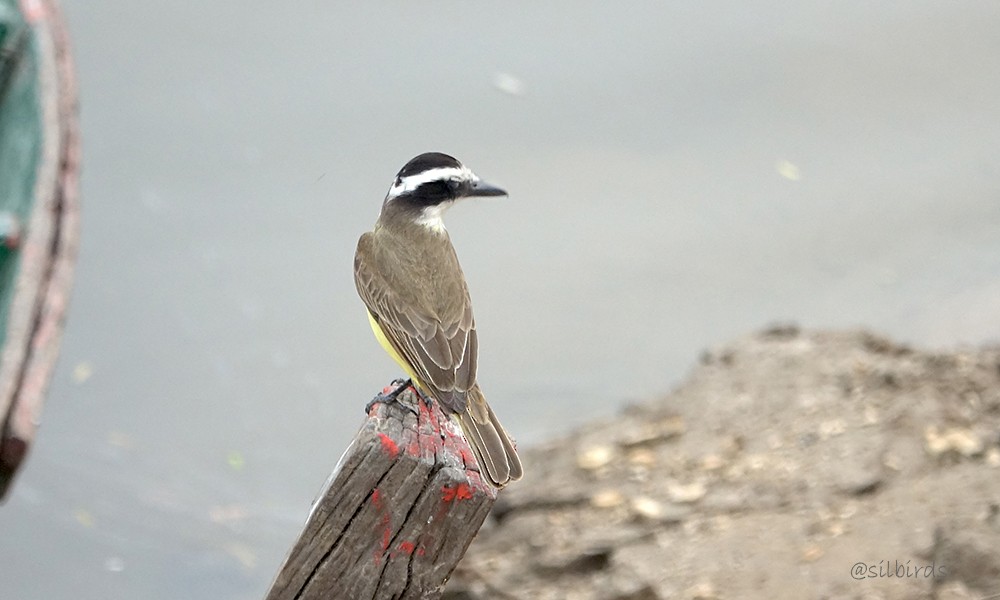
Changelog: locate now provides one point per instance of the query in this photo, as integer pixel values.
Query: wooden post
(396, 515)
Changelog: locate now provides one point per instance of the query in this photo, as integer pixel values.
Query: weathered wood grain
(397, 514)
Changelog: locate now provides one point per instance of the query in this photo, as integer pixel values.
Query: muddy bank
(788, 465)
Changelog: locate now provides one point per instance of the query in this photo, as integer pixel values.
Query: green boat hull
(39, 159)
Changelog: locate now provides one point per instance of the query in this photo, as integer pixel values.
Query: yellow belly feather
(391, 350)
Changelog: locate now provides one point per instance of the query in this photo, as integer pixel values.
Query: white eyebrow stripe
(412, 182)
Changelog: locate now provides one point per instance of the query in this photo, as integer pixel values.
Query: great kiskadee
(408, 276)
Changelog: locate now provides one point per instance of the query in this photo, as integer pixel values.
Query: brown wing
(437, 337)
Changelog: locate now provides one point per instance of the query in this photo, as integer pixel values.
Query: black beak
(481, 188)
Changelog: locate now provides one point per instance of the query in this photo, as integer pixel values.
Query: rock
(857, 480)
(650, 509)
(652, 433)
(686, 494)
(831, 428)
(647, 508)
(782, 330)
(586, 560)
(607, 499)
(811, 553)
(595, 457)
(702, 590)
(957, 440)
(642, 457)
(712, 462)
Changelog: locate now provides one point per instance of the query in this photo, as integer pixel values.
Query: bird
(409, 278)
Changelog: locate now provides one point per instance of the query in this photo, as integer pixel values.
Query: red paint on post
(389, 445)
(406, 547)
(384, 542)
(385, 523)
(461, 491)
(386, 532)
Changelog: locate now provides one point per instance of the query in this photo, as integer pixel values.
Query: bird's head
(430, 183)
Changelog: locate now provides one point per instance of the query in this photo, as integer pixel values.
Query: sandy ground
(790, 464)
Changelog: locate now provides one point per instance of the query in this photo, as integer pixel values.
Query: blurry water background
(679, 174)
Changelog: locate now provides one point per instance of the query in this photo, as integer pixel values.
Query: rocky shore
(789, 464)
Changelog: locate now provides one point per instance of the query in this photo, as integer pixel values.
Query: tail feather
(493, 448)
